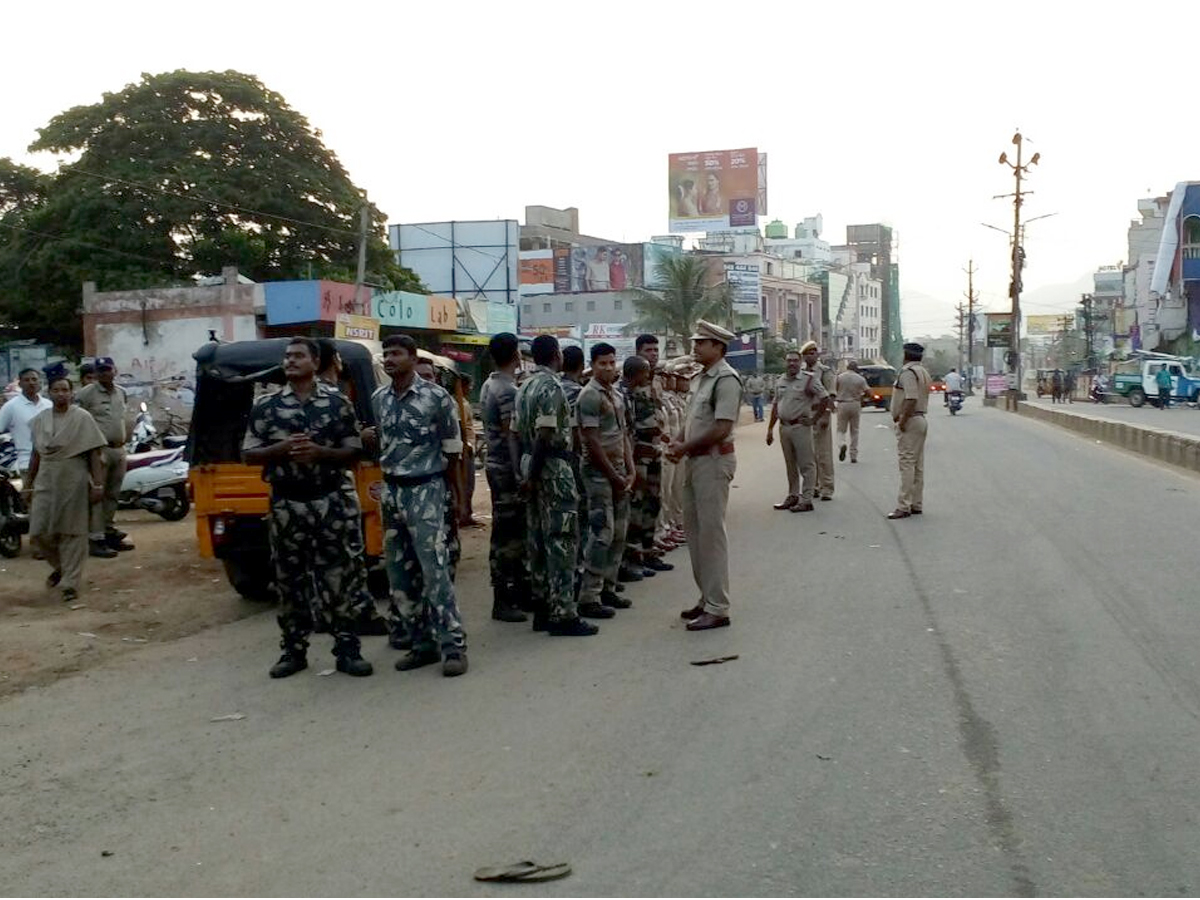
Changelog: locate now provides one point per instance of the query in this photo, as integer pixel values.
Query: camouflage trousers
(581, 518)
(361, 600)
(608, 522)
(417, 554)
(310, 544)
(553, 539)
(506, 553)
(644, 503)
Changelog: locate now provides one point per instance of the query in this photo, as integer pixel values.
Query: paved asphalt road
(1184, 419)
(1000, 697)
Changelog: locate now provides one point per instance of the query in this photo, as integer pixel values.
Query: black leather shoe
(915, 512)
(101, 550)
(626, 574)
(354, 665)
(802, 507)
(596, 611)
(455, 665)
(289, 664)
(706, 621)
(694, 613)
(899, 514)
(572, 628)
(416, 659)
(787, 503)
(658, 565)
(117, 542)
(648, 573)
(614, 600)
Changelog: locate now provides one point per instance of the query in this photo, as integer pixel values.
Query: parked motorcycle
(14, 518)
(156, 481)
(144, 436)
(954, 400)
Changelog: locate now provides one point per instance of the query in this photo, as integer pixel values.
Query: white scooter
(155, 480)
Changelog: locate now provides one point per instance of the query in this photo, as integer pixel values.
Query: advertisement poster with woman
(713, 190)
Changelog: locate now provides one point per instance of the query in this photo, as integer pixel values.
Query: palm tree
(679, 297)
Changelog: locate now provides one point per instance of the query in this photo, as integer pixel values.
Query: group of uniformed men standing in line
(557, 468)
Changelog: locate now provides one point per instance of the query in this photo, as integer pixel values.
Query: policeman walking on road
(543, 419)
(910, 401)
(707, 445)
(850, 389)
(305, 437)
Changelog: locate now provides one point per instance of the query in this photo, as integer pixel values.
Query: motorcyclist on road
(954, 385)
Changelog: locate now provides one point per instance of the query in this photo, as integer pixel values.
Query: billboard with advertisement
(1035, 325)
(713, 190)
(608, 267)
(999, 329)
(537, 272)
(745, 282)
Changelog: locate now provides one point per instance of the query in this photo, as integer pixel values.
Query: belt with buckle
(803, 420)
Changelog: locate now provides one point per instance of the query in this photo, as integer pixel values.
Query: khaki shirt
(107, 408)
(912, 384)
(716, 395)
(850, 386)
(603, 408)
(796, 398)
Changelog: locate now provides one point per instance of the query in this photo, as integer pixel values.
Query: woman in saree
(65, 478)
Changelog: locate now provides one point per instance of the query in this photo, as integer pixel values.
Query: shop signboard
(356, 328)
(999, 329)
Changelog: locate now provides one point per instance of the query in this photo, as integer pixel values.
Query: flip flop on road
(525, 870)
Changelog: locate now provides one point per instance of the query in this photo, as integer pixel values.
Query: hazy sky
(892, 112)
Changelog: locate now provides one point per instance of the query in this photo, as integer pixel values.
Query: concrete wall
(1170, 447)
(152, 334)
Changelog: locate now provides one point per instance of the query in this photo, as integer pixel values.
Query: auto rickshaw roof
(255, 360)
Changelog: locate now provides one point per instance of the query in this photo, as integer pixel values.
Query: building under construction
(878, 245)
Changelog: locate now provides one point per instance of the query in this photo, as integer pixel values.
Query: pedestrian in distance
(755, 386)
(419, 441)
(822, 422)
(543, 419)
(798, 396)
(608, 476)
(506, 551)
(305, 437)
(910, 401)
(1162, 380)
(706, 442)
(105, 400)
(64, 478)
(850, 389)
(1056, 386)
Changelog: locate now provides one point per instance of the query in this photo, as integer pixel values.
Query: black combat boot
(350, 661)
(616, 601)
(290, 663)
(503, 607)
(572, 628)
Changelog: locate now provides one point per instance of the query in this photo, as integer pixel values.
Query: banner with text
(713, 190)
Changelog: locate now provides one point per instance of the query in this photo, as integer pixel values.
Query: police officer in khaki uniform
(822, 424)
(707, 444)
(910, 400)
(851, 387)
(105, 400)
(798, 395)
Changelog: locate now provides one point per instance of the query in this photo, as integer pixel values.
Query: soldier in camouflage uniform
(571, 380)
(428, 372)
(608, 475)
(419, 440)
(506, 554)
(543, 420)
(646, 420)
(305, 437)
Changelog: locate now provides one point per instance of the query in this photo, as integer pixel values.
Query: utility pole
(364, 216)
(971, 324)
(1089, 331)
(1018, 259)
(962, 324)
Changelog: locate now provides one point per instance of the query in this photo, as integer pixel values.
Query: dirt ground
(160, 591)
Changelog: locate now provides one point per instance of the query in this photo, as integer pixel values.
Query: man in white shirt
(954, 385)
(18, 412)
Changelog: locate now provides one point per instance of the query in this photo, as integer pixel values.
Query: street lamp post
(1018, 252)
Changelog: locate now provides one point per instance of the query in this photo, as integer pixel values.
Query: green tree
(175, 176)
(679, 296)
